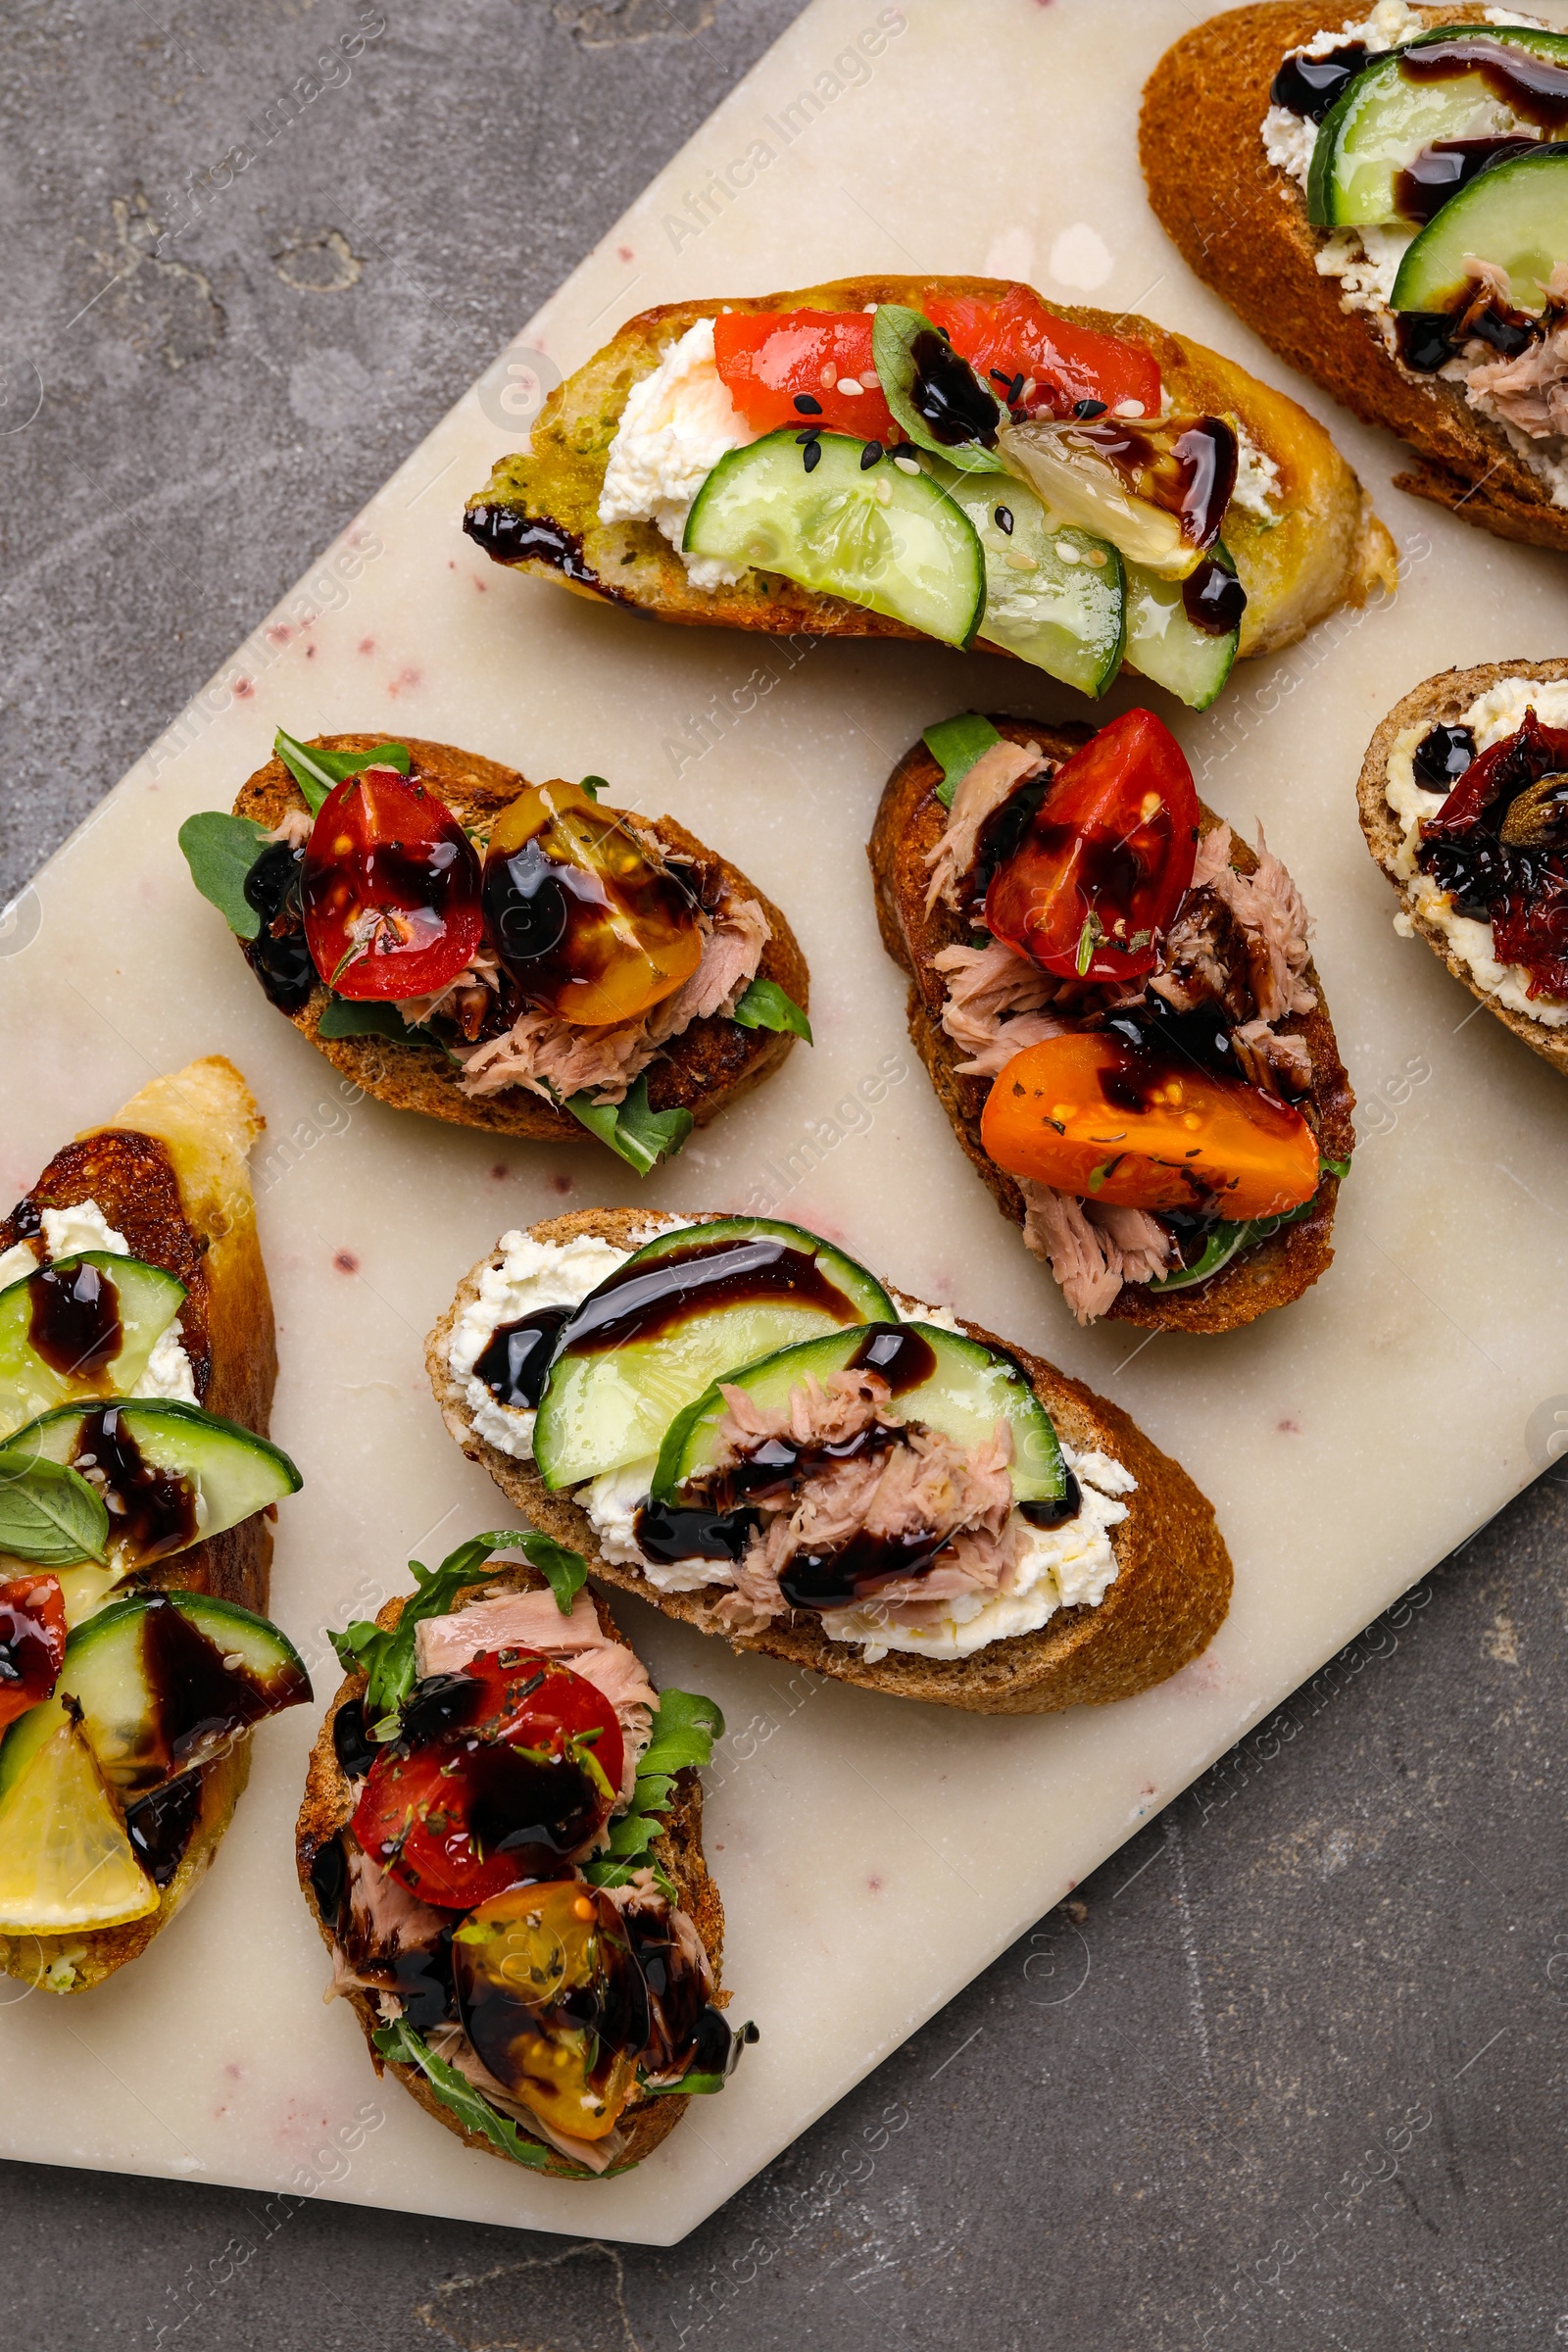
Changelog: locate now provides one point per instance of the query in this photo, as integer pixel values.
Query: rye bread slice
(170, 1173)
(328, 1806)
(1325, 548)
(1442, 699)
(1170, 1595)
(711, 1066)
(1241, 225)
(909, 822)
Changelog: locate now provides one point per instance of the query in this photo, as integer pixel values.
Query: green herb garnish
(220, 851)
(49, 1513)
(315, 771)
(767, 1005)
(367, 1017)
(456, 2092)
(955, 744)
(684, 1729)
(641, 1137)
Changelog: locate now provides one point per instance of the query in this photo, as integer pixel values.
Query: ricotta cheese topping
(1493, 717)
(83, 1226)
(531, 1275)
(1257, 479)
(676, 425)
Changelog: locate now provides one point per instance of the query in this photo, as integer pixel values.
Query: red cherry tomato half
(536, 1701)
(390, 888)
(1019, 337)
(33, 1642)
(1108, 858)
(771, 359)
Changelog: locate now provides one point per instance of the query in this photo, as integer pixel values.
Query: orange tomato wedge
(1089, 1114)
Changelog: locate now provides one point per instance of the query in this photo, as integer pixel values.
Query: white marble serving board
(872, 1856)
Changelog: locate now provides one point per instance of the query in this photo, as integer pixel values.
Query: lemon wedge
(65, 1860)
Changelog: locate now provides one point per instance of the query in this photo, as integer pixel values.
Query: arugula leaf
(894, 331)
(593, 786)
(366, 1016)
(220, 851)
(564, 1571)
(767, 1005)
(456, 2093)
(641, 1137)
(955, 744)
(315, 771)
(684, 1729)
(49, 1513)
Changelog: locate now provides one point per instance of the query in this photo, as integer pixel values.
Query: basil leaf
(955, 744)
(315, 771)
(456, 2093)
(368, 1016)
(767, 1005)
(564, 1571)
(220, 851)
(893, 336)
(641, 1137)
(49, 1513)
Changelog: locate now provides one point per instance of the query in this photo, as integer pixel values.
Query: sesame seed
(1004, 520)
(870, 379)
(828, 378)
(1085, 409)
(870, 456)
(1128, 408)
(1017, 561)
(851, 386)
(906, 464)
(812, 455)
(1098, 557)
(1067, 552)
(807, 405)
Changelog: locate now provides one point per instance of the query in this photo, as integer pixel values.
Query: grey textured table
(1288, 2069)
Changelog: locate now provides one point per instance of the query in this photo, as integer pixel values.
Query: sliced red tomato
(795, 368)
(390, 888)
(33, 1641)
(1108, 858)
(1019, 337)
(538, 1703)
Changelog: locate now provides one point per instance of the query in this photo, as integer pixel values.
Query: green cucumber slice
(609, 1397)
(967, 1391)
(165, 1682)
(216, 1473)
(874, 536)
(1056, 596)
(146, 1302)
(1166, 648)
(1380, 124)
(1514, 215)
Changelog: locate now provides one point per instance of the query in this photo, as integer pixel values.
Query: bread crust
(328, 1808)
(1240, 224)
(1169, 1598)
(170, 1172)
(1444, 698)
(1326, 548)
(910, 821)
(711, 1066)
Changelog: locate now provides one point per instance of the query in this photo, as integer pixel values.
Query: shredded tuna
(294, 826)
(995, 1005)
(383, 1920)
(1529, 392)
(1092, 1247)
(1265, 1058)
(1269, 908)
(1212, 858)
(482, 972)
(993, 779)
(556, 1058)
(1205, 956)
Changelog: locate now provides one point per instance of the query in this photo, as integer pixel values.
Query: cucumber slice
(873, 534)
(178, 1474)
(142, 1299)
(165, 1683)
(1514, 215)
(1166, 648)
(66, 1861)
(668, 1322)
(1055, 596)
(1380, 124)
(961, 1388)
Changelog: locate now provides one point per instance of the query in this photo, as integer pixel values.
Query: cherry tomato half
(390, 888)
(1091, 1115)
(33, 1642)
(1019, 337)
(1108, 858)
(771, 359)
(537, 1701)
(553, 1999)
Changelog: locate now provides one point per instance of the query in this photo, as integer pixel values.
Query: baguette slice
(910, 821)
(705, 1069)
(328, 1806)
(1444, 700)
(170, 1173)
(1242, 225)
(1327, 549)
(1169, 1598)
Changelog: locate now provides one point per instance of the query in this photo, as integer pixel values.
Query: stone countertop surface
(1288, 2069)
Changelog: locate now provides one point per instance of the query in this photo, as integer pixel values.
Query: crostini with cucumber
(945, 458)
(1116, 1003)
(522, 957)
(1404, 235)
(137, 1487)
(735, 1420)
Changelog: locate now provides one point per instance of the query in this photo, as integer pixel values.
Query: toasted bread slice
(709, 1067)
(909, 822)
(1326, 549)
(328, 1807)
(1440, 700)
(1171, 1592)
(170, 1173)
(1242, 225)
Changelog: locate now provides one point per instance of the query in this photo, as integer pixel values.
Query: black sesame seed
(1015, 390)
(1088, 408)
(807, 405)
(870, 456)
(1004, 519)
(810, 434)
(1000, 375)
(812, 455)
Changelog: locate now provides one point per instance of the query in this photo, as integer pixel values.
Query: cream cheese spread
(66, 1232)
(676, 425)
